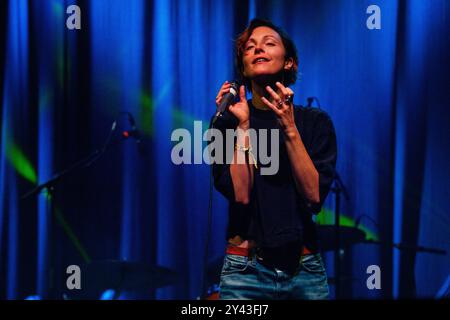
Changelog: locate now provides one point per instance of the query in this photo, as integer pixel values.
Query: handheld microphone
(227, 100)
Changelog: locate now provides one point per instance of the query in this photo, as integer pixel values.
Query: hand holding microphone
(225, 99)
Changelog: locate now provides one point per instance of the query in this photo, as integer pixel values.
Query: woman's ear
(288, 63)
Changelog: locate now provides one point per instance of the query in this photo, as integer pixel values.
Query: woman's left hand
(282, 105)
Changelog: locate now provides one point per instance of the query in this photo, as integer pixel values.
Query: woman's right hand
(240, 109)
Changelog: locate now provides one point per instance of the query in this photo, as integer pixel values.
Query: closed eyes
(267, 43)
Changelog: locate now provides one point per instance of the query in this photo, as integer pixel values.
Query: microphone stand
(50, 186)
(337, 189)
(85, 162)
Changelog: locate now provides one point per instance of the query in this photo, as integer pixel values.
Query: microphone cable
(204, 281)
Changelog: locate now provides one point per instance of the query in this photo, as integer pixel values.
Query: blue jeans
(247, 279)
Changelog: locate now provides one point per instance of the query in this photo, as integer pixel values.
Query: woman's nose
(258, 49)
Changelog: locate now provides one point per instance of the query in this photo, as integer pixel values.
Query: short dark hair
(290, 76)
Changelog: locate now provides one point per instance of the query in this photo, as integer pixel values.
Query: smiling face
(264, 54)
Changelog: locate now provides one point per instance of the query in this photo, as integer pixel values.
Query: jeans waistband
(245, 252)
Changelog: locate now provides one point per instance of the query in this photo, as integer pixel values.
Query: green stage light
(326, 217)
(20, 162)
